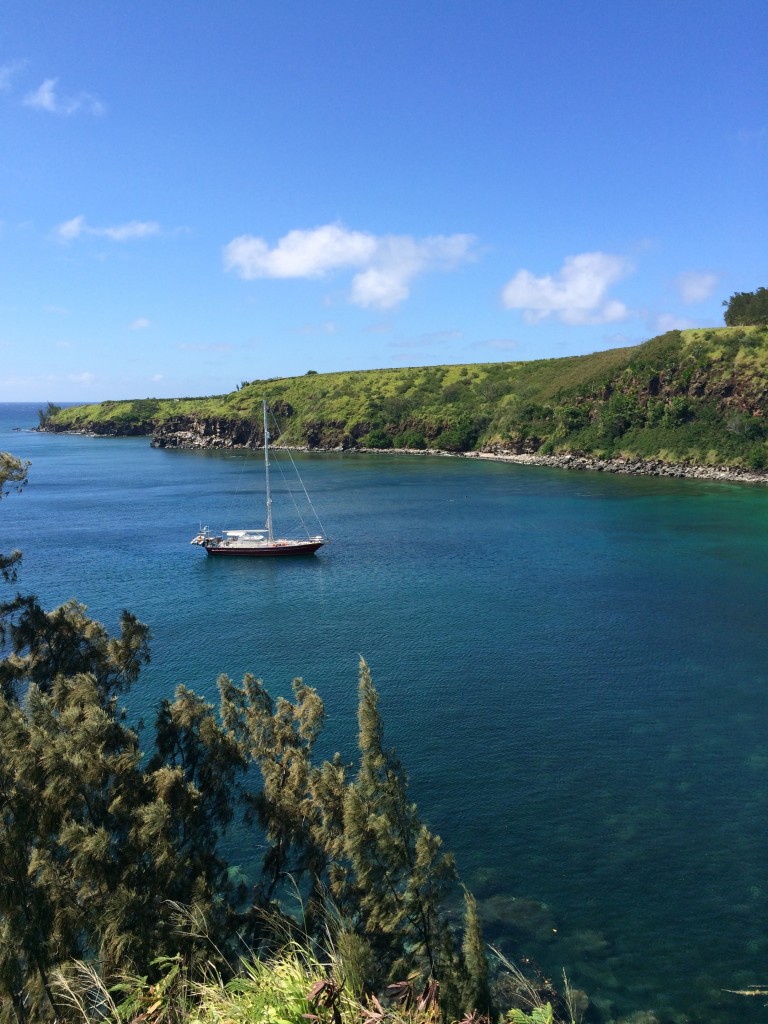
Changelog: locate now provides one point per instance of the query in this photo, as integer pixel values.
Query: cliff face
(216, 432)
(102, 428)
(219, 432)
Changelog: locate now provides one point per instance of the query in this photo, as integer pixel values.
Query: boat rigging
(261, 543)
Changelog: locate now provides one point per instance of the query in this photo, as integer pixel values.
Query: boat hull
(275, 550)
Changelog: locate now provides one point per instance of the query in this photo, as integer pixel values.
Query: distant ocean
(573, 668)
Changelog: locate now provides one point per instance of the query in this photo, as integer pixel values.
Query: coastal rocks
(92, 428)
(518, 917)
(214, 432)
(634, 467)
(229, 432)
(513, 446)
(326, 434)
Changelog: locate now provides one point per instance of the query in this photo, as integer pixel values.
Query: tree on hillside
(747, 309)
(46, 415)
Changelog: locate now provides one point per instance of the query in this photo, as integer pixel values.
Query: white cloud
(45, 97)
(577, 294)
(156, 378)
(140, 324)
(7, 71)
(399, 259)
(696, 286)
(299, 253)
(82, 378)
(69, 230)
(387, 265)
(124, 232)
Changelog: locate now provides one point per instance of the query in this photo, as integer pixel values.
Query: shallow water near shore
(571, 665)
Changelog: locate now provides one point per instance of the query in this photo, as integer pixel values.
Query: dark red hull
(276, 550)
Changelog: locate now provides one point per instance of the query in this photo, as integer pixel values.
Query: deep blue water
(572, 667)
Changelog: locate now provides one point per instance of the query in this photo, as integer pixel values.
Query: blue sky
(196, 194)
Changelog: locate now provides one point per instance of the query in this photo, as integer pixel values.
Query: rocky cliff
(697, 398)
(199, 432)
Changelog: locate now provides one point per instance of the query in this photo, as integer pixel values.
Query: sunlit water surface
(572, 667)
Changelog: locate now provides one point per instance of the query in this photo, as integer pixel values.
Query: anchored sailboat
(260, 543)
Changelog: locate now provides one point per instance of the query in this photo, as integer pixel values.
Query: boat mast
(266, 469)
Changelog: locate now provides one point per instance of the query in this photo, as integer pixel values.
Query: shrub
(411, 439)
(376, 438)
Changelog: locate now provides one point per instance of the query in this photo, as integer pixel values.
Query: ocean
(572, 667)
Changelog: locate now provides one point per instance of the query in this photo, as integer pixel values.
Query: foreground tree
(71, 778)
(194, 779)
(102, 848)
(48, 646)
(400, 875)
(13, 476)
(747, 309)
(351, 834)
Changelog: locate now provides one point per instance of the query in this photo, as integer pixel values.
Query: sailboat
(257, 543)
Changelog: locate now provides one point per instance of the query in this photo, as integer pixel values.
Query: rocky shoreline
(632, 467)
(585, 463)
(220, 435)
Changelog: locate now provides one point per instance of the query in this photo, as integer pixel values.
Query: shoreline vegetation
(583, 463)
(687, 403)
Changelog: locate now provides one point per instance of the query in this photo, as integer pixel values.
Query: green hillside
(694, 396)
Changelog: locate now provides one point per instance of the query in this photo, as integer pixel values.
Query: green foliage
(13, 477)
(114, 858)
(747, 308)
(47, 414)
(292, 985)
(538, 1015)
(50, 647)
(376, 438)
(460, 435)
(13, 473)
(398, 873)
(412, 438)
(675, 394)
(477, 994)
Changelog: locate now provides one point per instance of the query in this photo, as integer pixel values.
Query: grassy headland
(695, 396)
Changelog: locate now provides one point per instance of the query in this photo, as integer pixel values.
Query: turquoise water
(572, 667)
